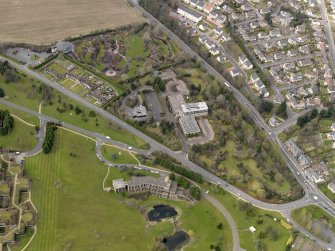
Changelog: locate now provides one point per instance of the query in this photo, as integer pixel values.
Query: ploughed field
(45, 21)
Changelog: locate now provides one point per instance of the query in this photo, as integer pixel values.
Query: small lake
(175, 241)
(161, 212)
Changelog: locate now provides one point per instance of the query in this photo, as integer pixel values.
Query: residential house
(265, 10)
(200, 5)
(311, 102)
(208, 7)
(331, 186)
(222, 58)
(264, 92)
(214, 51)
(305, 62)
(263, 35)
(295, 77)
(193, 3)
(292, 40)
(279, 55)
(304, 49)
(313, 89)
(218, 32)
(203, 26)
(245, 62)
(259, 85)
(235, 73)
(293, 148)
(282, 43)
(189, 14)
(289, 66)
(292, 53)
(209, 44)
(225, 37)
(254, 25)
(275, 33)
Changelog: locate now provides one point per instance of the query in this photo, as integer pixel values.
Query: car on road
(129, 148)
(107, 137)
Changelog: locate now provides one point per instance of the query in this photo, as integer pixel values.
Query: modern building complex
(187, 112)
(160, 187)
(189, 125)
(196, 109)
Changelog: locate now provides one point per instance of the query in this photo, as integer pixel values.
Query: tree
(6, 122)
(49, 137)
(196, 193)
(282, 110)
(159, 84)
(268, 18)
(220, 226)
(2, 93)
(166, 127)
(265, 106)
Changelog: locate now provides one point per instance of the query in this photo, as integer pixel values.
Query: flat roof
(194, 107)
(189, 125)
(119, 183)
(176, 100)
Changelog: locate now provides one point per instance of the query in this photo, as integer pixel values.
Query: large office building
(189, 125)
(160, 187)
(198, 108)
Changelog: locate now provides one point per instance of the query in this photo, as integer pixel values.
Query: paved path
(226, 214)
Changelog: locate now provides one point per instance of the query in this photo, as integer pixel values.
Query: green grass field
(21, 138)
(261, 220)
(117, 156)
(76, 214)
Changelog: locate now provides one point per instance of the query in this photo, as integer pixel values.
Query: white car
(107, 137)
(129, 148)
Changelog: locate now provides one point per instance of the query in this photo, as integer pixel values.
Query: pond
(161, 212)
(175, 241)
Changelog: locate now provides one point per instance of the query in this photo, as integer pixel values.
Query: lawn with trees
(75, 212)
(30, 93)
(270, 233)
(21, 138)
(117, 155)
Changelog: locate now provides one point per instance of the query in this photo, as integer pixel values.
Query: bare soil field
(45, 21)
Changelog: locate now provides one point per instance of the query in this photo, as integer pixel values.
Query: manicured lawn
(75, 212)
(117, 156)
(21, 138)
(260, 219)
(201, 221)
